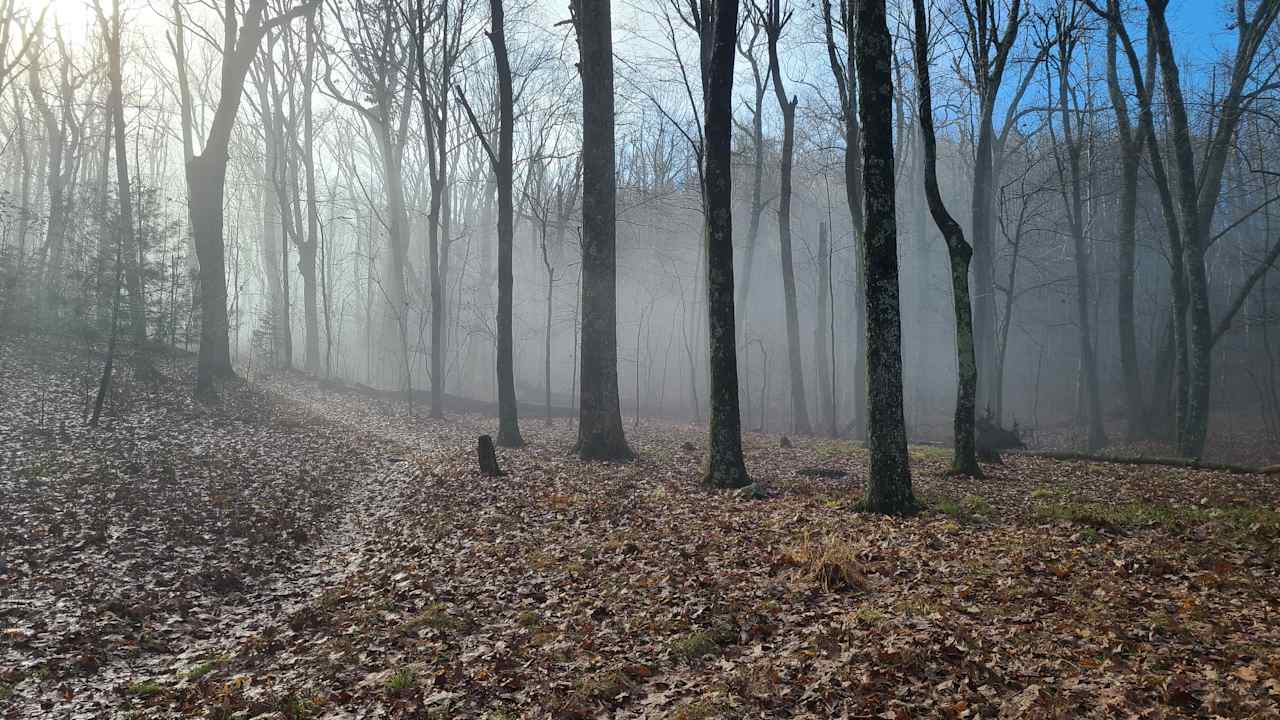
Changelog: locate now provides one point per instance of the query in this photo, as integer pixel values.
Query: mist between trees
(447, 196)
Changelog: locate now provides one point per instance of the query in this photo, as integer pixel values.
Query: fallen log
(1147, 460)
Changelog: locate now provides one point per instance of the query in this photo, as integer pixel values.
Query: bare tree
(843, 71)
(964, 460)
(989, 47)
(1067, 157)
(1126, 237)
(774, 20)
(206, 180)
(502, 164)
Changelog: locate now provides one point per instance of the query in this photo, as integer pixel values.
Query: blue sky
(1201, 29)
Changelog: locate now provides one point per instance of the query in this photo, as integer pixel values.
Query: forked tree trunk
(774, 24)
(206, 181)
(889, 485)
(600, 431)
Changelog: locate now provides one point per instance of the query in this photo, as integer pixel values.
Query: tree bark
(600, 431)
(717, 30)
(508, 422)
(889, 484)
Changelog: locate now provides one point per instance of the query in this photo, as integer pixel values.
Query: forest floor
(300, 552)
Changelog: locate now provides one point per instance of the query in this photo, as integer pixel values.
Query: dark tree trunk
(600, 433)
(965, 458)
(206, 181)
(1126, 241)
(718, 29)
(508, 422)
(206, 176)
(889, 484)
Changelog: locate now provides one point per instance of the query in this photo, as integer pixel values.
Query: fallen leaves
(627, 590)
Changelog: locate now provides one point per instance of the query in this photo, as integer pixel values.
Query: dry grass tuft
(831, 563)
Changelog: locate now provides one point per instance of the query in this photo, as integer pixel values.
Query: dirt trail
(158, 542)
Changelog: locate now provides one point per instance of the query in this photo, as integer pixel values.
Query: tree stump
(488, 457)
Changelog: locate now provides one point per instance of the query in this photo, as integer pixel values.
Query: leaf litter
(300, 551)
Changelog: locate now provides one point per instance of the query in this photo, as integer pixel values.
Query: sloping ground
(170, 526)
(1232, 440)
(566, 590)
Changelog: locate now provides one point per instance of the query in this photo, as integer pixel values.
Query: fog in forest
(360, 235)
(676, 359)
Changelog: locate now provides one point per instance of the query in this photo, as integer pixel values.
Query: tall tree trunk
(822, 334)
(846, 84)
(889, 485)
(508, 422)
(775, 22)
(56, 182)
(133, 254)
(1126, 241)
(1071, 179)
(725, 466)
(761, 83)
(965, 458)
(206, 176)
(307, 248)
(206, 181)
(989, 50)
(1199, 191)
(600, 432)
(546, 357)
(272, 223)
